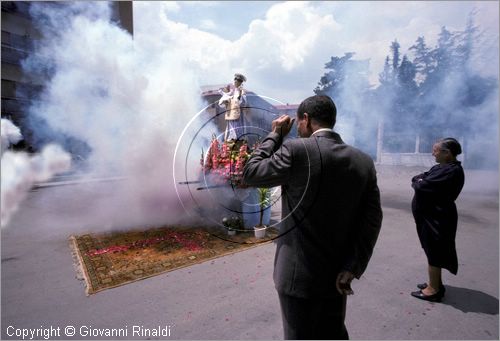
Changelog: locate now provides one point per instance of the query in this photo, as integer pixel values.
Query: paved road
(233, 297)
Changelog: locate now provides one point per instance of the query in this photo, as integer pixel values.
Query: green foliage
(429, 89)
(345, 74)
(264, 197)
(264, 201)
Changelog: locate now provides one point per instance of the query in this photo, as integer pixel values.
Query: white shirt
(323, 129)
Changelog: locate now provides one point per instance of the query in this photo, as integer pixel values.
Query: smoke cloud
(10, 134)
(122, 103)
(21, 171)
(113, 102)
(437, 92)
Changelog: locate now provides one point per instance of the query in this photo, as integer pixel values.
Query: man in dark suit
(331, 217)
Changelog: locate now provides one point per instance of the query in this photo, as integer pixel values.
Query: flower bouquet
(225, 161)
(222, 167)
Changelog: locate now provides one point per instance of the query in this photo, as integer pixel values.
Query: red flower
(226, 162)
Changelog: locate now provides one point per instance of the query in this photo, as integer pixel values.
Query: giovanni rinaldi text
(87, 331)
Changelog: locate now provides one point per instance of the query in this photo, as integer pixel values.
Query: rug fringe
(81, 274)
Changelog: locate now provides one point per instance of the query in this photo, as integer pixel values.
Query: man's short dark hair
(319, 108)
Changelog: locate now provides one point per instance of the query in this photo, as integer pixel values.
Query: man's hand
(282, 125)
(343, 283)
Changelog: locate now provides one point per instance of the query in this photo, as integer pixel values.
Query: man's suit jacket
(331, 214)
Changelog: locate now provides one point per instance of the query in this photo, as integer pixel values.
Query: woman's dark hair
(319, 108)
(451, 144)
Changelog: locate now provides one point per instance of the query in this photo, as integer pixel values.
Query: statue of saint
(233, 98)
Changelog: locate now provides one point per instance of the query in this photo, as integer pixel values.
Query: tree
(397, 87)
(395, 56)
(406, 76)
(431, 91)
(385, 76)
(451, 94)
(347, 83)
(422, 59)
(333, 81)
(442, 55)
(465, 40)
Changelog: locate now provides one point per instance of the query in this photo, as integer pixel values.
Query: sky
(282, 46)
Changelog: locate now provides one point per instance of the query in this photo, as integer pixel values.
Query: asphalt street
(233, 297)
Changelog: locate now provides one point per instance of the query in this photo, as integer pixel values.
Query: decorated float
(222, 167)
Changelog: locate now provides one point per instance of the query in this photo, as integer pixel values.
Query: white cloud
(283, 53)
(286, 44)
(207, 24)
(289, 35)
(170, 6)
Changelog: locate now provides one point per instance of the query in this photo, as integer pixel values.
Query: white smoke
(20, 172)
(10, 134)
(127, 104)
(129, 98)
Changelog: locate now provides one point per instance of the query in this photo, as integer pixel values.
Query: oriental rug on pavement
(110, 260)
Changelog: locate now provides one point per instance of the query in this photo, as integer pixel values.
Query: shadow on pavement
(470, 301)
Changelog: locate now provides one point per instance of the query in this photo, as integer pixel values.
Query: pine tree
(397, 91)
(345, 73)
(465, 40)
(395, 57)
(388, 77)
(422, 59)
(385, 76)
(406, 76)
(347, 83)
(443, 54)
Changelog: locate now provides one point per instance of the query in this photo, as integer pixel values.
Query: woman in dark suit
(436, 215)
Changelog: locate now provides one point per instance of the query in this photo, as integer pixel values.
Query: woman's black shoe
(431, 298)
(424, 285)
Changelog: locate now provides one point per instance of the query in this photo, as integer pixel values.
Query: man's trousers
(313, 318)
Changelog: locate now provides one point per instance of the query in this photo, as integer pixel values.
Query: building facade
(18, 36)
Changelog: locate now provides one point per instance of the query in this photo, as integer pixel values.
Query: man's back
(331, 217)
(329, 192)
